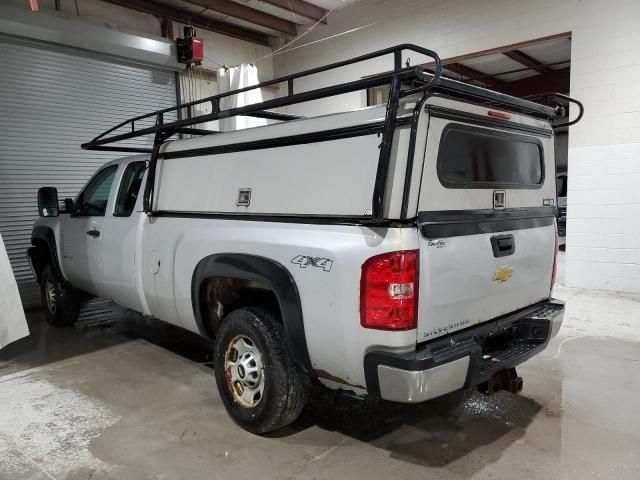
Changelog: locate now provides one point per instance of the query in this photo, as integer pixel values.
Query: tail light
(389, 291)
(555, 261)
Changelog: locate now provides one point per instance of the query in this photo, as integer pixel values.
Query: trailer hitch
(507, 379)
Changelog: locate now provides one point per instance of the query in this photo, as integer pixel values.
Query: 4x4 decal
(304, 261)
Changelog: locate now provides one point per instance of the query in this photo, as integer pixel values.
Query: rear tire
(58, 299)
(259, 384)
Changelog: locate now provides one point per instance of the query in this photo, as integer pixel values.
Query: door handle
(503, 245)
(93, 233)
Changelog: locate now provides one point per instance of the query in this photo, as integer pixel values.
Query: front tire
(58, 299)
(260, 386)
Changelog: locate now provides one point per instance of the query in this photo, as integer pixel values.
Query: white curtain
(13, 324)
(232, 79)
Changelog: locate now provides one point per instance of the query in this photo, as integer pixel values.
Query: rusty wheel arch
(223, 281)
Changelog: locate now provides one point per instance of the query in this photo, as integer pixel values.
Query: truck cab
(94, 239)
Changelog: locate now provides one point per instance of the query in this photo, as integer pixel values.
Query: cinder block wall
(603, 231)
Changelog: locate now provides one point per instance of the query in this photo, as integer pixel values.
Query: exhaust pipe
(503, 380)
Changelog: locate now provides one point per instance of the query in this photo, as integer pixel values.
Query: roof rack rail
(262, 109)
(425, 81)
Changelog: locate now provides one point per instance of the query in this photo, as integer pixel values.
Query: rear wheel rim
(244, 371)
(50, 296)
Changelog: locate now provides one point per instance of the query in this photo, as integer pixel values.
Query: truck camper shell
(402, 110)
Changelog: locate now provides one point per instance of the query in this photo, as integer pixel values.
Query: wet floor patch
(122, 396)
(46, 430)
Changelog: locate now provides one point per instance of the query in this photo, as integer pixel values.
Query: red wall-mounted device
(190, 48)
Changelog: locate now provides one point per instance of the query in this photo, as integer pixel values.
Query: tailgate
(486, 215)
(467, 278)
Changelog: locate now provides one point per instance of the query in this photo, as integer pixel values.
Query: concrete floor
(121, 397)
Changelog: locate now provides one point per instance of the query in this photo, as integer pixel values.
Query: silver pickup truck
(401, 251)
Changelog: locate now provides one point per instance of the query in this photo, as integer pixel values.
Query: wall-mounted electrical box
(190, 48)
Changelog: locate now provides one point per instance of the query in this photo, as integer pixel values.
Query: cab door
(120, 237)
(81, 232)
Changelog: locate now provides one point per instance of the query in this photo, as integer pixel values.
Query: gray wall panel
(51, 101)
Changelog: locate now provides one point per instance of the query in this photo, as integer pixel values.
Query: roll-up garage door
(51, 101)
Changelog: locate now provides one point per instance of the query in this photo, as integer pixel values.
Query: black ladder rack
(262, 109)
(425, 81)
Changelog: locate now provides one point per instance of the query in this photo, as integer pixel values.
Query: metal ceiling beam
(526, 60)
(300, 7)
(501, 49)
(473, 74)
(198, 21)
(552, 81)
(242, 12)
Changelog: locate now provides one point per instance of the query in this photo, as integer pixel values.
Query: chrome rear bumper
(463, 359)
(407, 386)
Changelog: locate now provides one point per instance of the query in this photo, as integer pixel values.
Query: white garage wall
(603, 240)
(222, 50)
(218, 48)
(99, 13)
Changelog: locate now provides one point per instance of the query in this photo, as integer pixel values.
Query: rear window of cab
(472, 157)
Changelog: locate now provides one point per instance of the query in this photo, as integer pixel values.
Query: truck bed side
(330, 296)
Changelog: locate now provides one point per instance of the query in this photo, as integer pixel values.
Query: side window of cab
(92, 202)
(129, 189)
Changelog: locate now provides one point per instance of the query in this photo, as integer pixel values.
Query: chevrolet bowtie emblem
(503, 274)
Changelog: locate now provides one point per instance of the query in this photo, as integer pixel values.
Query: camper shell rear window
(473, 157)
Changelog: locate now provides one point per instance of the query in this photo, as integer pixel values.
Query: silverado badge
(503, 274)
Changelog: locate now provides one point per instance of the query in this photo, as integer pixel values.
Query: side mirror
(69, 206)
(48, 202)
